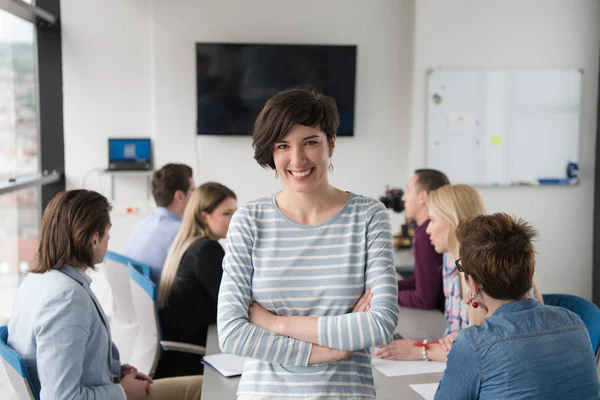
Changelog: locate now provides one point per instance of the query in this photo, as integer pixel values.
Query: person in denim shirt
(521, 350)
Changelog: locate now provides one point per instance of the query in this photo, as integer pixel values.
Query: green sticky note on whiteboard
(496, 140)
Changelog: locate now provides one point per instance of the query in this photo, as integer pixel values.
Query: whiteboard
(503, 127)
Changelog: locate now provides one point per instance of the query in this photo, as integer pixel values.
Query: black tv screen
(235, 80)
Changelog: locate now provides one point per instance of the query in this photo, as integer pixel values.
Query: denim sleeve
(462, 377)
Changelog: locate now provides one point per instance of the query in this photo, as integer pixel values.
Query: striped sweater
(320, 270)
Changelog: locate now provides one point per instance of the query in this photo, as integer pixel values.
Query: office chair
(123, 320)
(148, 346)
(15, 369)
(587, 311)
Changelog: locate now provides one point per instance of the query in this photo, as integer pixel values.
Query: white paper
(426, 390)
(228, 365)
(403, 368)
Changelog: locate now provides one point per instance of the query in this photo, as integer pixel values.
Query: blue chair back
(147, 350)
(16, 369)
(587, 311)
(121, 259)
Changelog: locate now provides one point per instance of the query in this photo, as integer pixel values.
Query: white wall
(107, 90)
(129, 70)
(529, 34)
(135, 76)
(374, 157)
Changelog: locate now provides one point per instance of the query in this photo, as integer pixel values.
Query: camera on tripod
(393, 199)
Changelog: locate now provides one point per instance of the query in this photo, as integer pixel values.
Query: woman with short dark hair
(299, 262)
(521, 350)
(58, 326)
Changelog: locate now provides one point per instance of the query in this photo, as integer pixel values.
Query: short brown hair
(70, 221)
(168, 180)
(301, 106)
(497, 251)
(431, 179)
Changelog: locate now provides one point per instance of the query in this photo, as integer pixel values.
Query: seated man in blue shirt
(521, 350)
(149, 243)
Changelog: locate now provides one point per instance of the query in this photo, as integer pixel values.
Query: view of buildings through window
(19, 150)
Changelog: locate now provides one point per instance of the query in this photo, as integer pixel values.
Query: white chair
(148, 346)
(123, 320)
(15, 369)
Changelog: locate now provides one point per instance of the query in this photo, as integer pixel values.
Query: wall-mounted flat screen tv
(234, 80)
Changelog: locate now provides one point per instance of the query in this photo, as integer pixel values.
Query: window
(19, 153)
(30, 133)
(19, 233)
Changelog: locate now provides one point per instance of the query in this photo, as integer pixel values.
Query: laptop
(129, 154)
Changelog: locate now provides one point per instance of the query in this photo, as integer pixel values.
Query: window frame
(45, 15)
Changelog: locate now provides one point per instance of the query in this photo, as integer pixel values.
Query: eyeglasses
(459, 266)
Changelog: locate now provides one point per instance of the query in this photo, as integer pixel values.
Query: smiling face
(301, 158)
(437, 230)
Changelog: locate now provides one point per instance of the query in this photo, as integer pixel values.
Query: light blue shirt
(522, 351)
(151, 239)
(60, 331)
(320, 270)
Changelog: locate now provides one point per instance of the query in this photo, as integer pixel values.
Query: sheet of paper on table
(228, 365)
(403, 368)
(426, 390)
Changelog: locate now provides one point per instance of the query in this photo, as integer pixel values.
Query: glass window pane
(19, 238)
(18, 98)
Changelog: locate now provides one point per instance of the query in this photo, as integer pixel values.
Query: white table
(411, 322)
(404, 261)
(420, 324)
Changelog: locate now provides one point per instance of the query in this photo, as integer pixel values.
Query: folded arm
(371, 328)
(236, 334)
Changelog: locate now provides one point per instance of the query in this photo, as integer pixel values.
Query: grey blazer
(60, 331)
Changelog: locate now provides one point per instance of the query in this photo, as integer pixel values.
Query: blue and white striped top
(320, 270)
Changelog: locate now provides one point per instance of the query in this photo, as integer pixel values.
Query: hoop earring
(330, 168)
(276, 175)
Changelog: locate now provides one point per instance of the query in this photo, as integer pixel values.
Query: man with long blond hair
(58, 326)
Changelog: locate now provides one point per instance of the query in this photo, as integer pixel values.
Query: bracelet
(424, 350)
(425, 346)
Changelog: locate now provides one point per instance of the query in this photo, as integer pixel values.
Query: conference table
(404, 261)
(412, 323)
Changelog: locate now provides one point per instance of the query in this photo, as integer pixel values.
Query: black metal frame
(596, 235)
(32, 13)
(45, 15)
(49, 51)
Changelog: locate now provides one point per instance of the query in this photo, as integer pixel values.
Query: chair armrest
(183, 347)
(143, 268)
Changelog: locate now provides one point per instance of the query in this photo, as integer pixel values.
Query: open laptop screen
(129, 151)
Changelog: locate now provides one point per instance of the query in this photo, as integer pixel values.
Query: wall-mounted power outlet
(126, 209)
(131, 210)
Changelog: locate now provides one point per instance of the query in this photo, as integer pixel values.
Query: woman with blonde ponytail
(191, 277)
